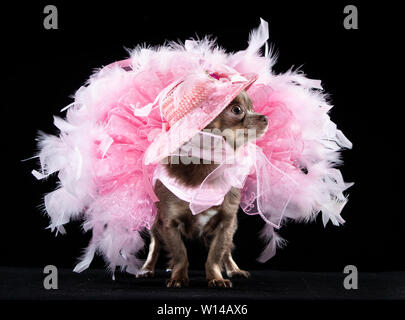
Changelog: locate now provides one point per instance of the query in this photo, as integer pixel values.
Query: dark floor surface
(27, 284)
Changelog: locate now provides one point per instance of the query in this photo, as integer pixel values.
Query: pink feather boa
(99, 152)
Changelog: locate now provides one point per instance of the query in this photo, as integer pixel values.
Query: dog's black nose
(264, 119)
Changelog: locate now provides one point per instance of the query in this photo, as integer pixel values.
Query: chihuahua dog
(217, 225)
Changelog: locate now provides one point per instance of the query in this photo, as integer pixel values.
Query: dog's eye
(237, 110)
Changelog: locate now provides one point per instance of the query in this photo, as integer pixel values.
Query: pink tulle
(232, 170)
(100, 152)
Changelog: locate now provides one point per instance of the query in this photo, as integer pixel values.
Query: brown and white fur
(216, 225)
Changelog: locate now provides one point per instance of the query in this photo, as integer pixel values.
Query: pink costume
(132, 114)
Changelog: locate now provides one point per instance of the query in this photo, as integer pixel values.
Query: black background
(43, 68)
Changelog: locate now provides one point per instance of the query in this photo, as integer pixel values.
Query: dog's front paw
(145, 273)
(177, 283)
(220, 283)
(238, 274)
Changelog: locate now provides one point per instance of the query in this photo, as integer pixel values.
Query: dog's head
(238, 123)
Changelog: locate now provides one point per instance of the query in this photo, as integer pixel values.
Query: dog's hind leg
(178, 255)
(148, 269)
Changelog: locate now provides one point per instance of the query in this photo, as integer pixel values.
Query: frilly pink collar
(250, 173)
(215, 186)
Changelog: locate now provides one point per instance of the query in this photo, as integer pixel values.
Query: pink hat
(190, 104)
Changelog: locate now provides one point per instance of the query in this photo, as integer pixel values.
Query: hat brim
(166, 143)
